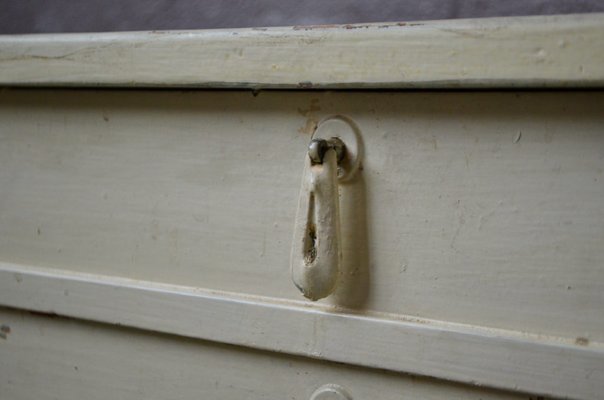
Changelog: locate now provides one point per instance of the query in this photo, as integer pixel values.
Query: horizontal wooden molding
(469, 354)
(536, 52)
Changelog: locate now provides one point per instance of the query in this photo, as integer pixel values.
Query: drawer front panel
(471, 234)
(477, 208)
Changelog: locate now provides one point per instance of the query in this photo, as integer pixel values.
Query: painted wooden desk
(147, 213)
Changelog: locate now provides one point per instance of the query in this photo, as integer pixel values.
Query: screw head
(343, 130)
(316, 150)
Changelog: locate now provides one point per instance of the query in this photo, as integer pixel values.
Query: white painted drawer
(67, 359)
(479, 209)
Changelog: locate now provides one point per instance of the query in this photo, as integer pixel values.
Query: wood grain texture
(544, 51)
(473, 355)
(49, 358)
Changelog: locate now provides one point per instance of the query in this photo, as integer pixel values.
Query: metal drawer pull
(316, 253)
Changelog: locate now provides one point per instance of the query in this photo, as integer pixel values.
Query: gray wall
(38, 16)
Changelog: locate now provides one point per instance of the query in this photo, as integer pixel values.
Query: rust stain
(314, 106)
(310, 127)
(311, 122)
(582, 341)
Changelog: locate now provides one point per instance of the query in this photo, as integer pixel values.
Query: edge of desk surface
(563, 51)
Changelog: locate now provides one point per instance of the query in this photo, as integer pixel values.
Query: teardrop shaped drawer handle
(316, 251)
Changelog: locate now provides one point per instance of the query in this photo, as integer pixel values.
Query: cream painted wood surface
(67, 359)
(475, 208)
(472, 235)
(545, 51)
(474, 355)
(478, 215)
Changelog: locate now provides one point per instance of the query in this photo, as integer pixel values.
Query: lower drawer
(46, 357)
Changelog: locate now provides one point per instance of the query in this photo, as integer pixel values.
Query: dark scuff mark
(47, 314)
(4, 331)
(355, 26)
(311, 27)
